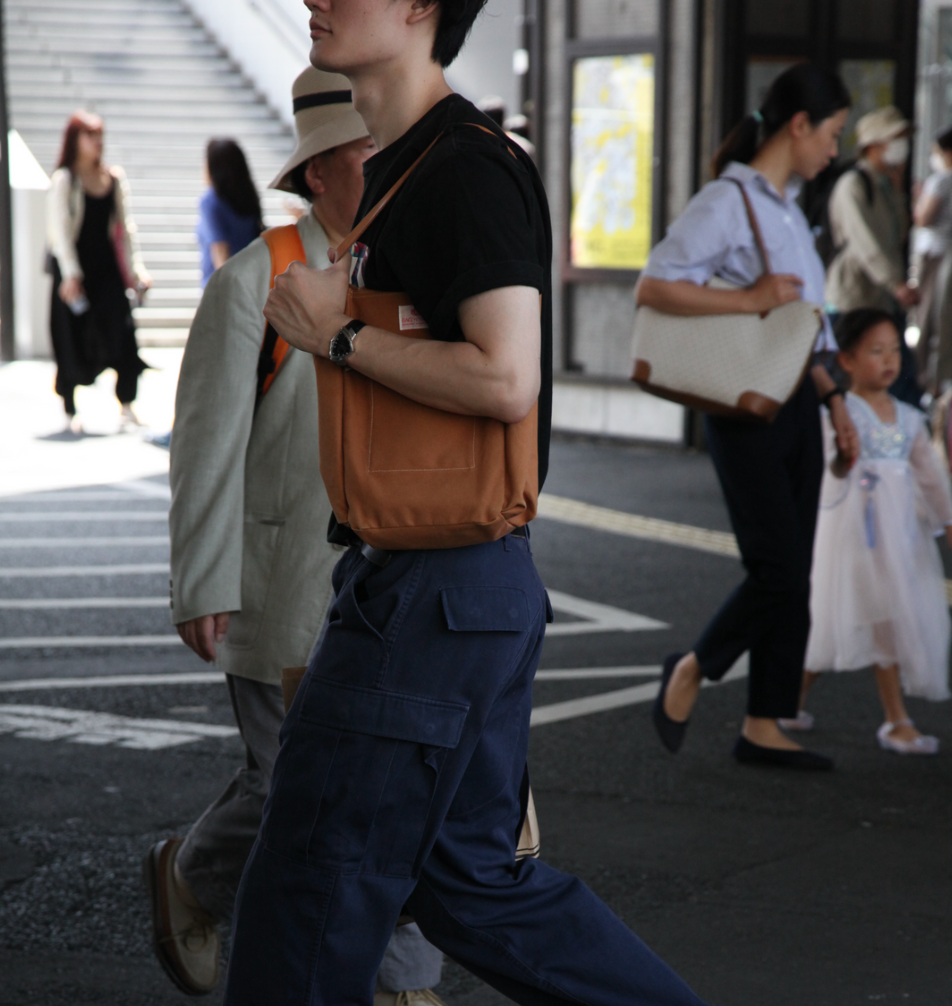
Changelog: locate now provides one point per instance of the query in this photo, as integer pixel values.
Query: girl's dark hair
(231, 178)
(803, 88)
(851, 328)
(943, 140)
(79, 122)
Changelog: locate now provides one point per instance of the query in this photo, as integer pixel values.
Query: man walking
(400, 785)
(251, 569)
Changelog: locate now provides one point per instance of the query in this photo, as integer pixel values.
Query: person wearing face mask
(869, 226)
(933, 267)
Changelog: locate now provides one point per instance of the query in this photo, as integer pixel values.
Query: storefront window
(612, 167)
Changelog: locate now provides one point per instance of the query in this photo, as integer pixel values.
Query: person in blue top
(229, 212)
(770, 474)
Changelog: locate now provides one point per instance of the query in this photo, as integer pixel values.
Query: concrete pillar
(31, 293)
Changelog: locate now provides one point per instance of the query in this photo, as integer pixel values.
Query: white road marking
(46, 723)
(586, 673)
(127, 569)
(571, 511)
(82, 516)
(112, 681)
(43, 642)
(143, 487)
(597, 617)
(210, 677)
(93, 496)
(36, 604)
(82, 542)
(604, 701)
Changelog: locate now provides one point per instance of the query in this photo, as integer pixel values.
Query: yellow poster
(612, 161)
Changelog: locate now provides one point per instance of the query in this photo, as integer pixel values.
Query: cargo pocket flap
(485, 609)
(384, 714)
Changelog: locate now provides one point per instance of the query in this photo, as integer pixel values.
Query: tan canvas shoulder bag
(403, 475)
(739, 365)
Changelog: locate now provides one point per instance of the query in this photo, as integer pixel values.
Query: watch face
(340, 347)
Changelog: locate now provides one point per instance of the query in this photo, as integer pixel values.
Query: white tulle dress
(878, 589)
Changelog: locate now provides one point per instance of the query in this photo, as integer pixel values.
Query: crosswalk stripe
(112, 681)
(82, 542)
(127, 569)
(62, 642)
(82, 516)
(40, 603)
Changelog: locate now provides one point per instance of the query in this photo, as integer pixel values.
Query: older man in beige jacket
(251, 568)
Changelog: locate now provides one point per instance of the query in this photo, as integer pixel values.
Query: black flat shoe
(748, 753)
(670, 731)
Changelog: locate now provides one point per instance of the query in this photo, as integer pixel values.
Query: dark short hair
(851, 328)
(456, 19)
(943, 139)
(298, 176)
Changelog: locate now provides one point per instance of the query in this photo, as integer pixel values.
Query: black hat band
(323, 98)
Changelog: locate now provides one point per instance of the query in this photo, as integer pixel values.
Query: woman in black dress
(96, 265)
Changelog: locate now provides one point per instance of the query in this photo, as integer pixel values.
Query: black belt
(381, 557)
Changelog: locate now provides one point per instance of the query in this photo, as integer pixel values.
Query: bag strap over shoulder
(345, 245)
(375, 212)
(286, 247)
(754, 225)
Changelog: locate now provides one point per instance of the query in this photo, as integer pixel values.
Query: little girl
(878, 590)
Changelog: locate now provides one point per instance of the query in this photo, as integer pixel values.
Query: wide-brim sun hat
(881, 126)
(324, 117)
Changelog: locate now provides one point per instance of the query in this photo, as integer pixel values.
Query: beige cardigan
(249, 511)
(65, 208)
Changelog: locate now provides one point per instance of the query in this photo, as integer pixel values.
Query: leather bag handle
(752, 219)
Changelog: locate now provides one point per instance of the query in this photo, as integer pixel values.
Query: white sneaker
(924, 744)
(802, 722)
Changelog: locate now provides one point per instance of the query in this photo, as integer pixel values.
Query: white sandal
(922, 745)
(803, 722)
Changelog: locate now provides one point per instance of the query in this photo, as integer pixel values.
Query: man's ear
(420, 10)
(314, 176)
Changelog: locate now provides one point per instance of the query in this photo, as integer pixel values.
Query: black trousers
(771, 477)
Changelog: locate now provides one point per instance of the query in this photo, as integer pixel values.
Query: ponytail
(803, 88)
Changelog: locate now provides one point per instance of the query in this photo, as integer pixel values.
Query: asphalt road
(761, 888)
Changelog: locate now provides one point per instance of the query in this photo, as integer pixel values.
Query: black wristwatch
(342, 345)
(830, 395)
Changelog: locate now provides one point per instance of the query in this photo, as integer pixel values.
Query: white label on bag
(410, 318)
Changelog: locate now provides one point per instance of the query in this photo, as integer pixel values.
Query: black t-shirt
(471, 217)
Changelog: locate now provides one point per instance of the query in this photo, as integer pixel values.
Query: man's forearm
(454, 376)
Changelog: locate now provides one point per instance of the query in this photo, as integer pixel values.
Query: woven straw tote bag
(740, 365)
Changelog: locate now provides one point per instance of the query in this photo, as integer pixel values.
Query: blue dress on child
(878, 588)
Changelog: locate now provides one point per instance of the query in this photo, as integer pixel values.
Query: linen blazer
(249, 511)
(65, 209)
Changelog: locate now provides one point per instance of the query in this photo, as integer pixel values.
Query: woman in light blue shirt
(770, 475)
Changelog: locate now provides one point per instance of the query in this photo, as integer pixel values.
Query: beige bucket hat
(324, 117)
(881, 126)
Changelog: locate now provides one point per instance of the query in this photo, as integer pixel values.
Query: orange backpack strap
(286, 247)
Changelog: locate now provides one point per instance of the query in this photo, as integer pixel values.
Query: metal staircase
(163, 87)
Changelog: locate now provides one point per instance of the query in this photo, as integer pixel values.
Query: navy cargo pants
(398, 788)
